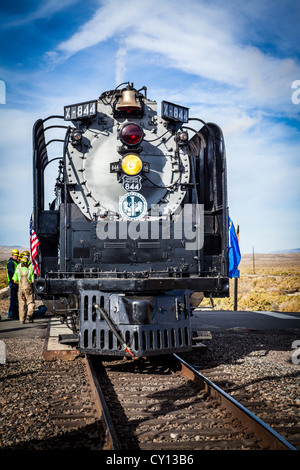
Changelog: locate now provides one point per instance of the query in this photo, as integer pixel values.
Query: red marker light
(131, 134)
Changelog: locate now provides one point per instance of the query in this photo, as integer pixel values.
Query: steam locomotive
(138, 229)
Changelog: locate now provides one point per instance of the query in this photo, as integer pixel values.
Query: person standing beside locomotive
(26, 254)
(24, 277)
(11, 267)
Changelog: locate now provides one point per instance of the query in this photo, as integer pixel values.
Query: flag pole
(235, 291)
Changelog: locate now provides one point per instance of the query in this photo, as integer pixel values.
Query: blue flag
(234, 254)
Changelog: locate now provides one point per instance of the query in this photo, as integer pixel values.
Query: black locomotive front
(139, 224)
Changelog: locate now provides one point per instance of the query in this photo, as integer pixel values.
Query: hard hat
(24, 259)
(15, 253)
(25, 253)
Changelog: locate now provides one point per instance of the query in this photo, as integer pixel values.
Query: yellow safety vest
(25, 270)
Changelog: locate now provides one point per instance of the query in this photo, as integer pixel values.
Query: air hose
(113, 329)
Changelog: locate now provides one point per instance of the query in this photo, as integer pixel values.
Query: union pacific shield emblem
(132, 206)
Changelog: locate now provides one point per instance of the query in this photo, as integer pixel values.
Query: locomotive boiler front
(126, 151)
(138, 225)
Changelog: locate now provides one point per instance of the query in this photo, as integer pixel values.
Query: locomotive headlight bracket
(182, 137)
(76, 136)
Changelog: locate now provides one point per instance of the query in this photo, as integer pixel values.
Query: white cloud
(199, 54)
(190, 39)
(16, 189)
(42, 10)
(16, 175)
(112, 18)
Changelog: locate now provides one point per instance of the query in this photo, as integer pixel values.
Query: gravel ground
(259, 367)
(258, 363)
(263, 363)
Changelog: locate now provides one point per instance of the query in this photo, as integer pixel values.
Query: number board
(80, 111)
(174, 112)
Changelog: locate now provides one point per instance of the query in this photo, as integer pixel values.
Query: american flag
(34, 243)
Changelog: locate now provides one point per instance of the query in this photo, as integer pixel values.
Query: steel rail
(111, 439)
(248, 419)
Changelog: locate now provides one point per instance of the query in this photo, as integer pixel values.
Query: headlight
(132, 164)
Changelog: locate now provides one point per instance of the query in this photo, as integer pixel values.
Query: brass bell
(128, 101)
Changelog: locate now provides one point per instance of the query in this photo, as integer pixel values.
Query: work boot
(30, 320)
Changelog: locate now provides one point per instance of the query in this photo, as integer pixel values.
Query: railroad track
(72, 413)
(146, 405)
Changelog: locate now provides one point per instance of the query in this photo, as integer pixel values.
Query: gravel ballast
(263, 366)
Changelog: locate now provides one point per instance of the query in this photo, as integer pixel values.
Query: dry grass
(273, 284)
(3, 275)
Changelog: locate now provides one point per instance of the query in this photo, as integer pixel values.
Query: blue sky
(233, 63)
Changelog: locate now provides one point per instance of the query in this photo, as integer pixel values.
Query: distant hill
(5, 251)
(294, 250)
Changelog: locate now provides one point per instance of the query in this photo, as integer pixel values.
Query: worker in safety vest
(11, 266)
(24, 277)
